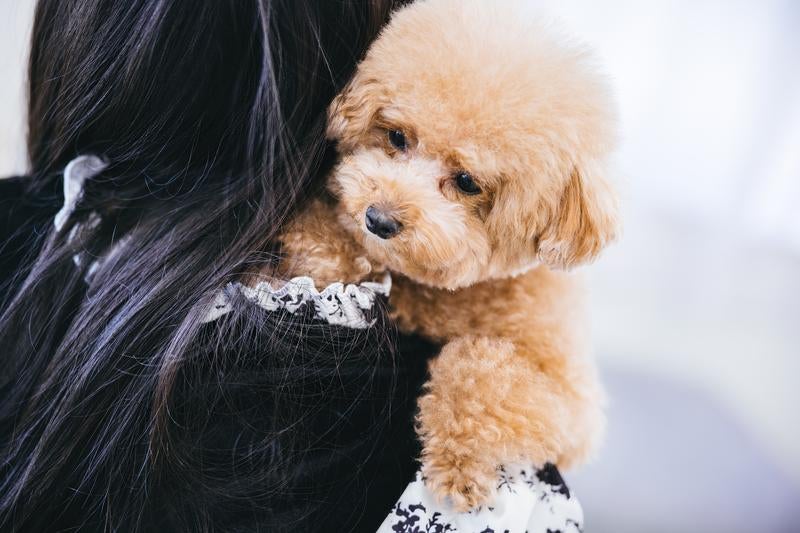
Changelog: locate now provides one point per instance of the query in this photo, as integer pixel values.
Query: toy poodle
(473, 150)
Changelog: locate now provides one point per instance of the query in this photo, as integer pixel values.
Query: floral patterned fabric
(528, 500)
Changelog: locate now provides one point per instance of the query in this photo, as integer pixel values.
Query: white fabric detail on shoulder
(527, 500)
(338, 304)
(76, 173)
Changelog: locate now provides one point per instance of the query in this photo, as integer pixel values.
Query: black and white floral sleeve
(528, 500)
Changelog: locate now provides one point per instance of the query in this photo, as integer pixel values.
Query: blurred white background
(16, 17)
(696, 310)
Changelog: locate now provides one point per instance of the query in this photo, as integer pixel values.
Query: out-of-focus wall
(705, 284)
(696, 310)
(15, 25)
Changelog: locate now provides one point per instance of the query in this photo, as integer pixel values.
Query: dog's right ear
(352, 112)
(584, 220)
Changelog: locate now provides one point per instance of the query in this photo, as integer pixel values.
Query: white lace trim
(76, 173)
(338, 304)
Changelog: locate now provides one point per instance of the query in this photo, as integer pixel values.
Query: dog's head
(474, 146)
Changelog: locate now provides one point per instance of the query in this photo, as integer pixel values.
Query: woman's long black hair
(119, 408)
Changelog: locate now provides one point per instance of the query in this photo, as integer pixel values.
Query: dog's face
(473, 146)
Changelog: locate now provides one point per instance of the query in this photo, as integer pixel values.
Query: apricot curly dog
(473, 151)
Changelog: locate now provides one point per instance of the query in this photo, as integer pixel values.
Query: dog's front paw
(462, 481)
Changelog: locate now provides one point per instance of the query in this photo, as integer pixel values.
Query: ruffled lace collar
(338, 304)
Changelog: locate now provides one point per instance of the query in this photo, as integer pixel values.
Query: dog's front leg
(481, 402)
(488, 404)
(513, 382)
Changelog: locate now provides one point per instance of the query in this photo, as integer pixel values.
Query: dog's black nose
(380, 223)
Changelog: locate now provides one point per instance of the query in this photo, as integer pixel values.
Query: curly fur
(476, 86)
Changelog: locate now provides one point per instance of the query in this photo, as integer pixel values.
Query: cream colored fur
(476, 86)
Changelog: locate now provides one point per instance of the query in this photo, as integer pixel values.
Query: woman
(122, 408)
(143, 388)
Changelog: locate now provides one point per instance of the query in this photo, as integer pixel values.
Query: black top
(352, 451)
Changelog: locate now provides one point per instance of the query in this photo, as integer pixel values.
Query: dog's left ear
(584, 220)
(352, 111)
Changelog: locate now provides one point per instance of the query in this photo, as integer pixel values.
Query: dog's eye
(466, 183)
(398, 140)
